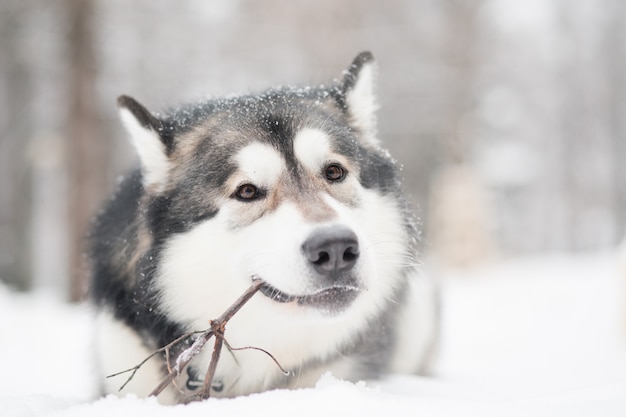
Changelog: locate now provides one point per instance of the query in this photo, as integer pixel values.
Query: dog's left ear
(358, 95)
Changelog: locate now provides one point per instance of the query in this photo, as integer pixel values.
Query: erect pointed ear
(144, 130)
(358, 88)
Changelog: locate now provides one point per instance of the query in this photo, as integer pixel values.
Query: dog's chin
(331, 300)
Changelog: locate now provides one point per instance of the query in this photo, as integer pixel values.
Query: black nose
(332, 250)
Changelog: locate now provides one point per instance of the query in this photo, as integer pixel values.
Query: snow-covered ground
(531, 337)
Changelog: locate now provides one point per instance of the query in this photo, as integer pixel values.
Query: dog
(290, 185)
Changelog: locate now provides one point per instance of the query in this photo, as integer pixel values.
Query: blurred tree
(88, 153)
(591, 92)
(16, 129)
(458, 216)
(460, 52)
(614, 48)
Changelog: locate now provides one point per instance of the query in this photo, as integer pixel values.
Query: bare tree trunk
(460, 49)
(87, 153)
(615, 42)
(457, 223)
(15, 171)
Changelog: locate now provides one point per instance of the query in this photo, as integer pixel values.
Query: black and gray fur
(128, 236)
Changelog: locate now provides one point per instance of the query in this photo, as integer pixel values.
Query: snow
(541, 336)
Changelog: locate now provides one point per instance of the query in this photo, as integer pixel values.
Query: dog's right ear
(146, 134)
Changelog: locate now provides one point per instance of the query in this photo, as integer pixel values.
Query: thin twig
(217, 329)
(134, 369)
(243, 299)
(165, 349)
(285, 372)
(183, 360)
(215, 357)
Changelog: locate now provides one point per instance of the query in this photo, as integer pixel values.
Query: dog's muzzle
(332, 253)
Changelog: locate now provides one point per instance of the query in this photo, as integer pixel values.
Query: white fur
(417, 327)
(312, 148)
(120, 348)
(362, 103)
(260, 163)
(151, 150)
(207, 268)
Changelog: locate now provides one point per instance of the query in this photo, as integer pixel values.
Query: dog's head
(290, 185)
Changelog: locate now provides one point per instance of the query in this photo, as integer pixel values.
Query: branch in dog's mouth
(332, 300)
(199, 339)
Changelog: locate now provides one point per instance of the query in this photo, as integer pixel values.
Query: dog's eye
(247, 192)
(335, 172)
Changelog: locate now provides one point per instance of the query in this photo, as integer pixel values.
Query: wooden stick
(217, 329)
(243, 299)
(183, 360)
(210, 374)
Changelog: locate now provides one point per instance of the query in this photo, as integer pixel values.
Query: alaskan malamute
(290, 185)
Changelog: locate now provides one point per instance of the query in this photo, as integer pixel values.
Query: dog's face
(289, 186)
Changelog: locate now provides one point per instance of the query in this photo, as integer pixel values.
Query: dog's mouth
(332, 299)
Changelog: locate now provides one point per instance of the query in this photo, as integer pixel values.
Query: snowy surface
(531, 337)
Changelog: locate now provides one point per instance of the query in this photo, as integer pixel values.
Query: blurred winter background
(508, 117)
